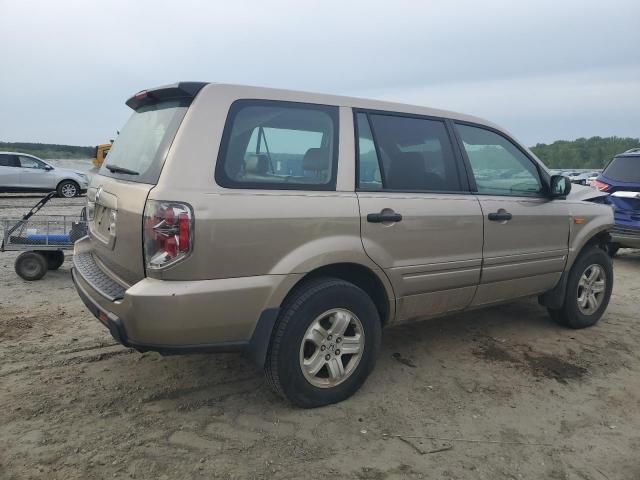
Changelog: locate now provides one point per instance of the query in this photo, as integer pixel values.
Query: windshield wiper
(117, 169)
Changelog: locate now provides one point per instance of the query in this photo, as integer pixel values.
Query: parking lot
(490, 394)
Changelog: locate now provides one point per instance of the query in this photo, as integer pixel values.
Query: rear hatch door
(622, 175)
(118, 193)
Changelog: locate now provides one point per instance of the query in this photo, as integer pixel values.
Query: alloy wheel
(591, 289)
(69, 190)
(332, 348)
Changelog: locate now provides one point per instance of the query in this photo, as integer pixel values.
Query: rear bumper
(117, 330)
(185, 316)
(626, 237)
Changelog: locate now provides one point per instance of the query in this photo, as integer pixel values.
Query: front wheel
(588, 291)
(68, 189)
(325, 343)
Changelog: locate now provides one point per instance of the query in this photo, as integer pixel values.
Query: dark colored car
(621, 180)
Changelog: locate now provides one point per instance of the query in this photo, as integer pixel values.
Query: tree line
(592, 152)
(49, 150)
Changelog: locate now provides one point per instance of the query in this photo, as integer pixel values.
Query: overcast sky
(545, 70)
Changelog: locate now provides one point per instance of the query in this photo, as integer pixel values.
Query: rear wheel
(68, 189)
(588, 291)
(325, 343)
(31, 265)
(55, 259)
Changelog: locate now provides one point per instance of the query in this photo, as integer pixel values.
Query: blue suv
(621, 180)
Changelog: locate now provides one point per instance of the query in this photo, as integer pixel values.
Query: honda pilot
(295, 226)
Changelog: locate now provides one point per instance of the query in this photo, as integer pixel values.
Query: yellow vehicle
(101, 152)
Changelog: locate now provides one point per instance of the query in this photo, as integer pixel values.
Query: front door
(526, 234)
(417, 222)
(33, 174)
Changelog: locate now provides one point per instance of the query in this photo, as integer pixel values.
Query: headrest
(316, 160)
(258, 163)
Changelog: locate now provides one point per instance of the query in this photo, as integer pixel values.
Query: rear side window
(279, 145)
(369, 175)
(142, 144)
(413, 154)
(623, 169)
(9, 161)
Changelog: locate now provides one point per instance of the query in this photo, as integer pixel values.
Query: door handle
(500, 216)
(384, 217)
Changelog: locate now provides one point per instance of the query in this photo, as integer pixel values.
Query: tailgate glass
(142, 144)
(623, 169)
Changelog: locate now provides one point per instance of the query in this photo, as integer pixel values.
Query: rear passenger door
(419, 223)
(526, 233)
(9, 171)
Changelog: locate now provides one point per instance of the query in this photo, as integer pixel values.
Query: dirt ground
(501, 393)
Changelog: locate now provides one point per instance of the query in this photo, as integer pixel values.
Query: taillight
(168, 233)
(603, 187)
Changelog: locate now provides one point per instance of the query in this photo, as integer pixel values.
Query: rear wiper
(117, 169)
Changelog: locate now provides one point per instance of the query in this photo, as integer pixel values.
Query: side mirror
(559, 186)
(48, 167)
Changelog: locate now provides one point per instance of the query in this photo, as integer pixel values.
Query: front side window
(28, 162)
(281, 145)
(415, 154)
(499, 167)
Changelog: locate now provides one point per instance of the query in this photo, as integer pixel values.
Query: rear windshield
(623, 169)
(138, 153)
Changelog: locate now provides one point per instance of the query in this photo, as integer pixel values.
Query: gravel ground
(501, 393)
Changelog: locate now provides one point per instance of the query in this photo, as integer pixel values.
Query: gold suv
(295, 226)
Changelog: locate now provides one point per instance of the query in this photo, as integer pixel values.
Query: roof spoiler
(174, 91)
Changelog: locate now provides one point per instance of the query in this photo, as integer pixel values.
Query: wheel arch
(599, 238)
(554, 298)
(67, 179)
(380, 292)
(374, 282)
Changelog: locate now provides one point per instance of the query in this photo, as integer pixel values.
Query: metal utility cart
(42, 239)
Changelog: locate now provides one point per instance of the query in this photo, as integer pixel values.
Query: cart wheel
(55, 259)
(31, 265)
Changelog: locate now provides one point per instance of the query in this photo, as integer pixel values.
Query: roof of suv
(344, 101)
(17, 153)
(634, 152)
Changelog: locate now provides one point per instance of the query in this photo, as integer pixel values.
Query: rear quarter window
(279, 145)
(9, 160)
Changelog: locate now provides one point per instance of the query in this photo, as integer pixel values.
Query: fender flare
(554, 298)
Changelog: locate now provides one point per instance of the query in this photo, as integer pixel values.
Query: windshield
(138, 152)
(624, 169)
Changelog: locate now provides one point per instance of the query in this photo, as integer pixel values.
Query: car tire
(591, 274)
(31, 266)
(612, 249)
(68, 189)
(55, 259)
(317, 319)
